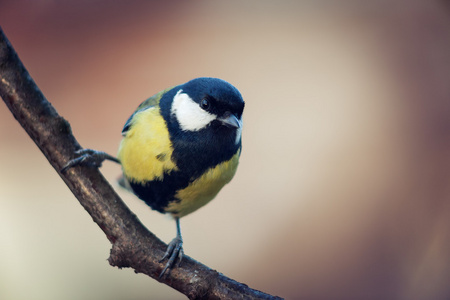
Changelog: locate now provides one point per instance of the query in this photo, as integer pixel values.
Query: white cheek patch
(189, 114)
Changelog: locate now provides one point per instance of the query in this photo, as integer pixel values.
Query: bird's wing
(150, 102)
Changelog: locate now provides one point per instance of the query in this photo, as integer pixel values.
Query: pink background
(343, 190)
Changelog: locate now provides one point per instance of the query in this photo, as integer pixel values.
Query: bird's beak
(230, 120)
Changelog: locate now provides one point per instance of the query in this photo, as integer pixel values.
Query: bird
(179, 148)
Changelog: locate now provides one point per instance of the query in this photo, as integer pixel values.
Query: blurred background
(343, 190)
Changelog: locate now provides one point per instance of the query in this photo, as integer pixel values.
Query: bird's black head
(204, 102)
(204, 118)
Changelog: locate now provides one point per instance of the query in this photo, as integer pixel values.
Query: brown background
(343, 191)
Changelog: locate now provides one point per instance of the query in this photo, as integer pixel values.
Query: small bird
(179, 148)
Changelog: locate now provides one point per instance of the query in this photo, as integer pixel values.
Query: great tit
(179, 148)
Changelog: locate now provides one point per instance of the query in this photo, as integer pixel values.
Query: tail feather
(123, 182)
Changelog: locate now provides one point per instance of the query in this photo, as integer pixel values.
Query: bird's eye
(204, 104)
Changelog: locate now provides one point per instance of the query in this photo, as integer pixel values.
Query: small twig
(133, 246)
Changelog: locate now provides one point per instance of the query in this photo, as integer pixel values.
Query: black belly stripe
(159, 193)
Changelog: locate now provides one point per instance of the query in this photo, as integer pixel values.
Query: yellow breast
(145, 152)
(203, 189)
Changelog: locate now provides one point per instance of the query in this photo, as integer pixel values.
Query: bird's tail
(123, 182)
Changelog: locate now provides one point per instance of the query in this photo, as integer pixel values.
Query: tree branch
(133, 246)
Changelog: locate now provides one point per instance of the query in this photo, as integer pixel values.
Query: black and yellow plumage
(175, 168)
(179, 148)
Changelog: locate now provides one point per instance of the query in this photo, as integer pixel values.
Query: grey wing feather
(150, 102)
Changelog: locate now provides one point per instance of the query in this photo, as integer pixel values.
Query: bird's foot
(90, 158)
(174, 254)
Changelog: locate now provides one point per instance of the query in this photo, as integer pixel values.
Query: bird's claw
(174, 254)
(88, 157)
